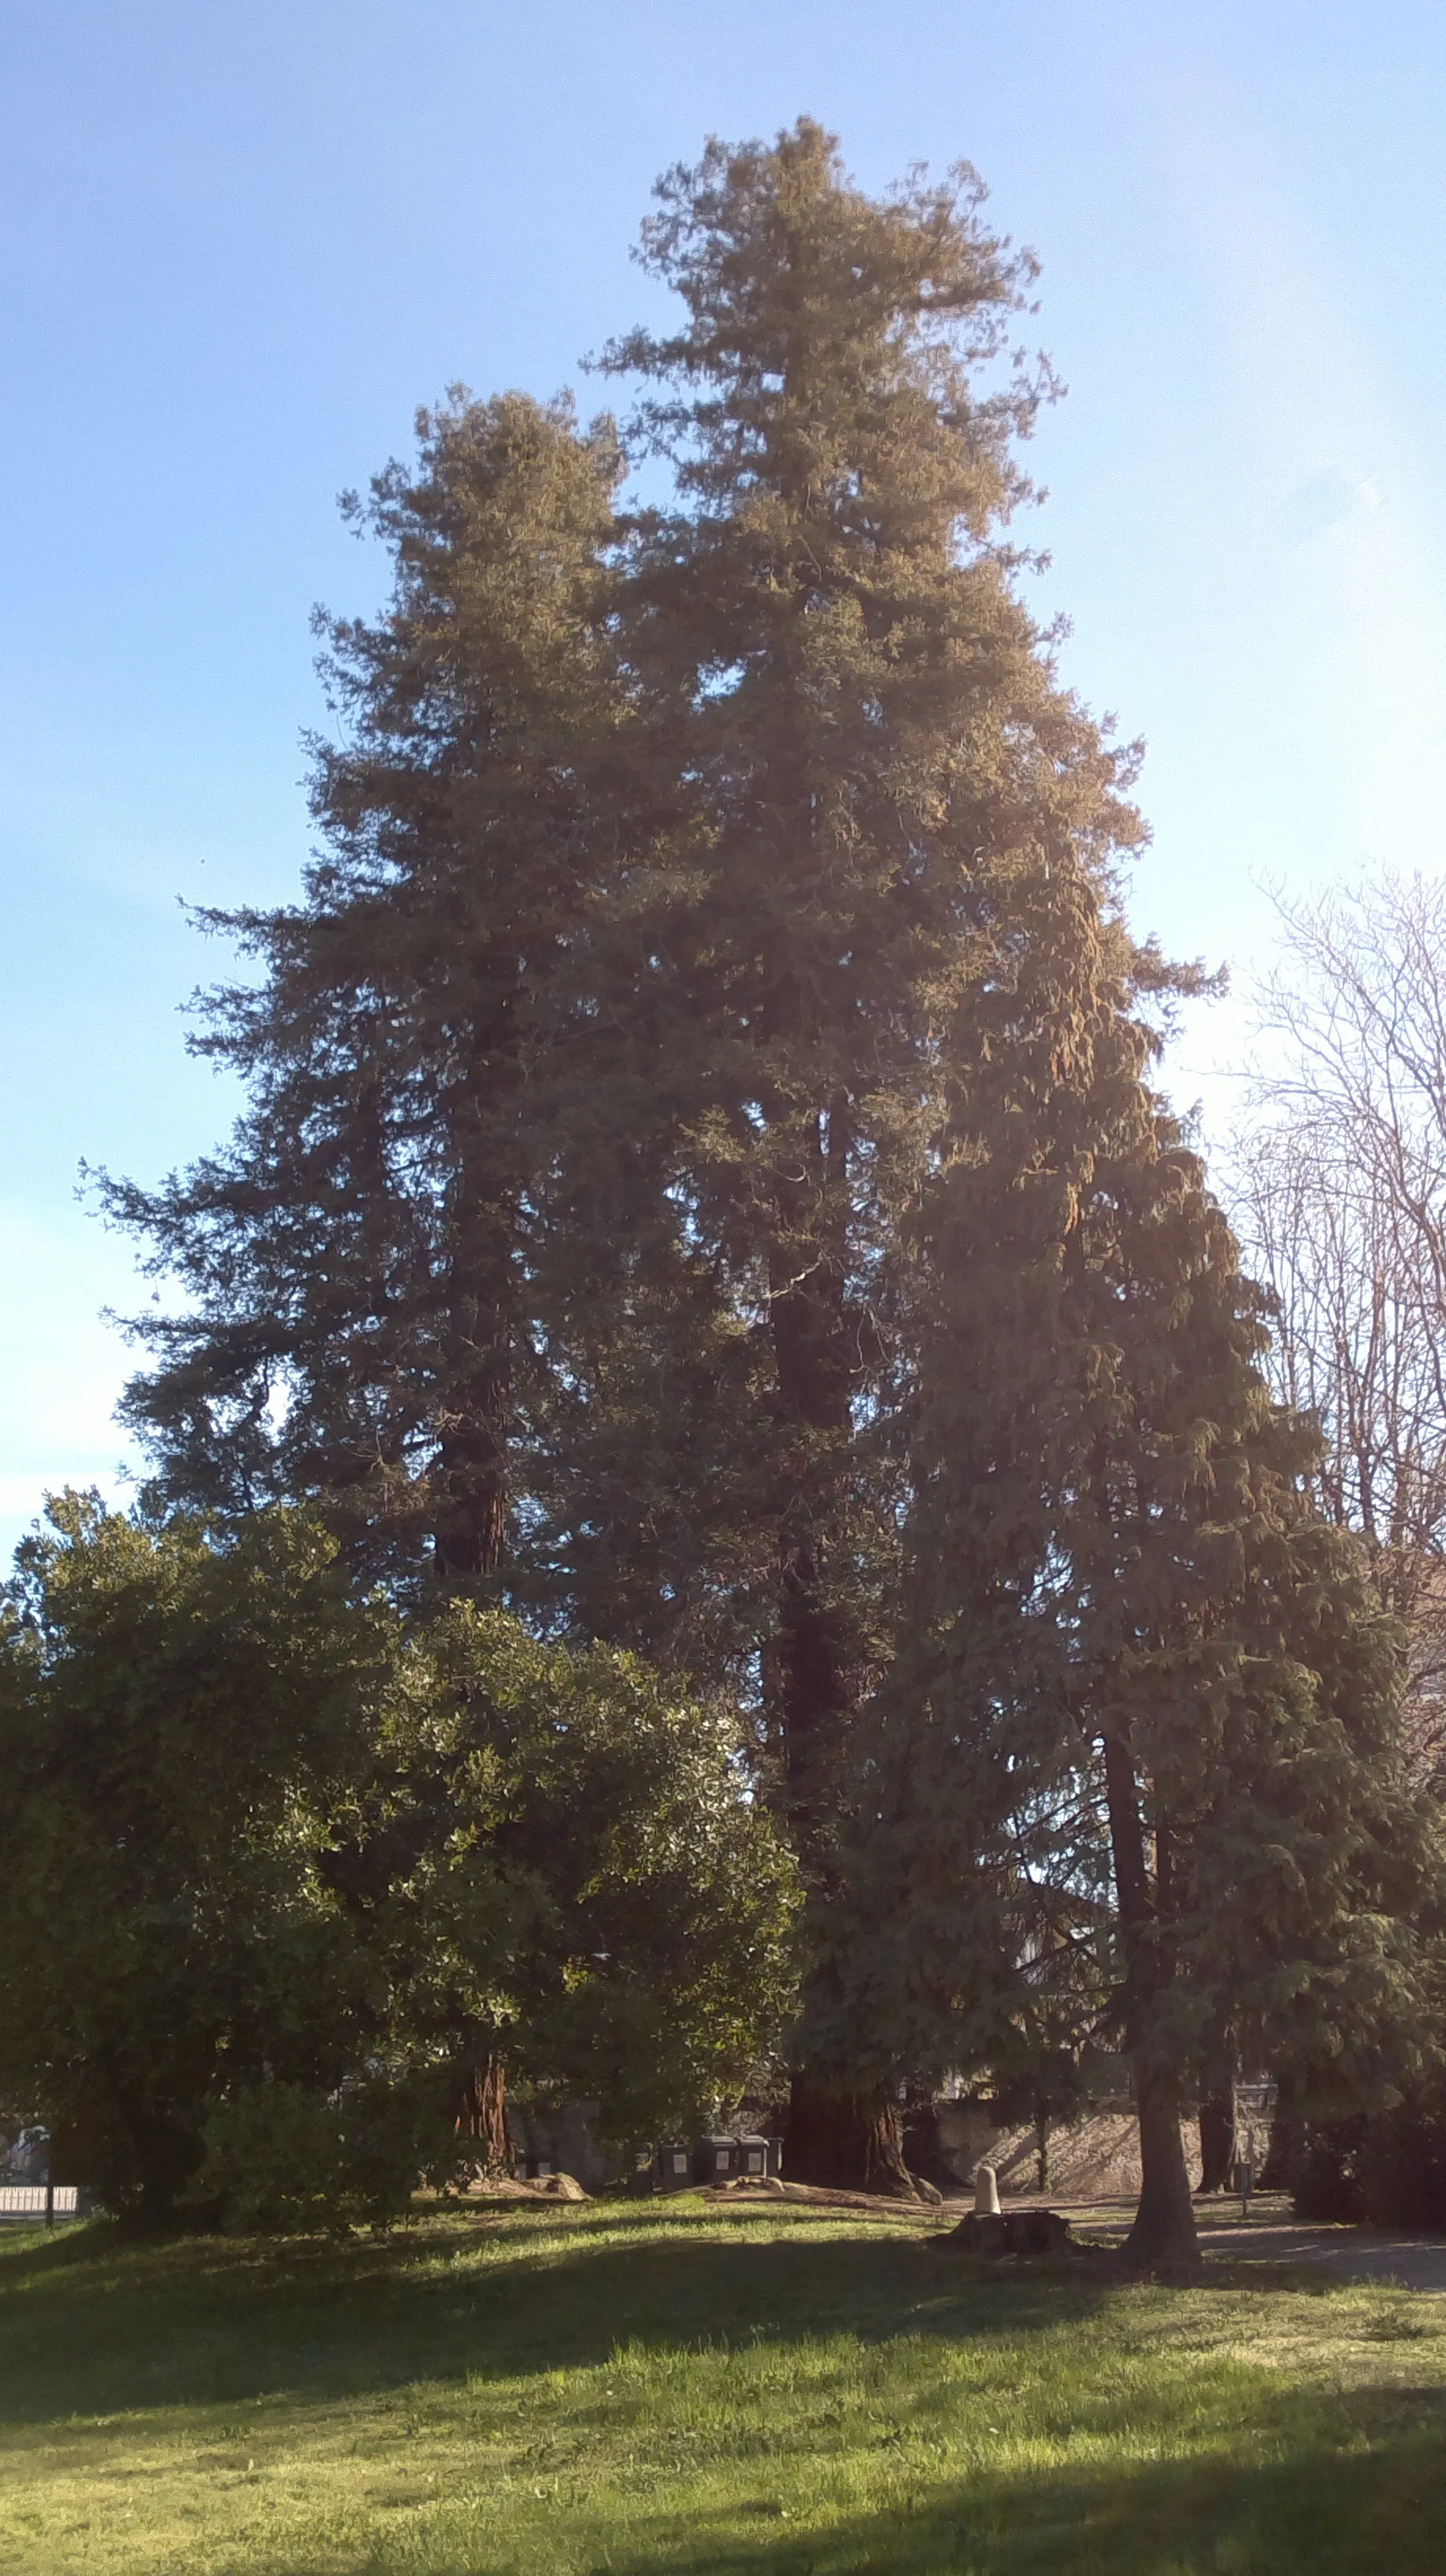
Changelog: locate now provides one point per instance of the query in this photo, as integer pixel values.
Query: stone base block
(1014, 2231)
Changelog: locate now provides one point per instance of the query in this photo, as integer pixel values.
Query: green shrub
(256, 1835)
(1325, 2180)
(281, 2159)
(1385, 2169)
(1402, 2161)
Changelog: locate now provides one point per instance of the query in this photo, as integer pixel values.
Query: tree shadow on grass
(93, 2323)
(1355, 2488)
(1279, 2478)
(96, 2325)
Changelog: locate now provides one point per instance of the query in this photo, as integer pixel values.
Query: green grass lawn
(635, 2387)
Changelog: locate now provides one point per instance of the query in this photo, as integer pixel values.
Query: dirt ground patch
(1271, 2235)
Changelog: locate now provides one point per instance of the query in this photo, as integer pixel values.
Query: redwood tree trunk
(1041, 2151)
(482, 2115)
(818, 1655)
(1287, 2137)
(474, 1395)
(471, 1530)
(845, 2141)
(924, 2156)
(1163, 2237)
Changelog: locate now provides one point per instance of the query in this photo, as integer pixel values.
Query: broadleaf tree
(1339, 1192)
(263, 1845)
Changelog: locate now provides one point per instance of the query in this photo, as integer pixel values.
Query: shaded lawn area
(651, 2388)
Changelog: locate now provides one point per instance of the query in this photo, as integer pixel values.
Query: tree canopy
(257, 1834)
(703, 1187)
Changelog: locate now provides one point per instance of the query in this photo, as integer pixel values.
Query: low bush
(1386, 2170)
(1325, 2180)
(1402, 2160)
(282, 2159)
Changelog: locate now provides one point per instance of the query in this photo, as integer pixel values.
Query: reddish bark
(845, 2141)
(475, 1399)
(481, 2115)
(1287, 2138)
(1163, 2236)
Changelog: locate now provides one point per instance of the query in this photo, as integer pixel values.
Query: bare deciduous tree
(1340, 1198)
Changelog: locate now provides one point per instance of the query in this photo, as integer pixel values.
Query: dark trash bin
(672, 2165)
(753, 2158)
(715, 2160)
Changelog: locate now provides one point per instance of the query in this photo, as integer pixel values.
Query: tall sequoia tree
(368, 1262)
(1147, 1707)
(598, 1079)
(699, 1138)
(833, 655)
(1237, 1686)
(361, 1260)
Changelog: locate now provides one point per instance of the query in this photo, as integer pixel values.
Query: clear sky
(242, 239)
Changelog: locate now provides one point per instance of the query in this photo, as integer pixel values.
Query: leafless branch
(1340, 1201)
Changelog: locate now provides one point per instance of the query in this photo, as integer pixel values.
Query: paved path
(1270, 2235)
(1352, 2253)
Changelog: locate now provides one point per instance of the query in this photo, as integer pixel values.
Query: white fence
(29, 2199)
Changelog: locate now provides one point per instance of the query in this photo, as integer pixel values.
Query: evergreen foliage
(703, 1176)
(1141, 1752)
(839, 669)
(1385, 2167)
(178, 1727)
(365, 1260)
(274, 1871)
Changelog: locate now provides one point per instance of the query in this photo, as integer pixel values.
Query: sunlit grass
(640, 2388)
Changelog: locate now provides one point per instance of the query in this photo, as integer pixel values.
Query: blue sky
(241, 241)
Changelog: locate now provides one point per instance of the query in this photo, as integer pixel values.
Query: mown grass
(636, 2388)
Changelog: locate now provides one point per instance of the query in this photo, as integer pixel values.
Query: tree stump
(1012, 2231)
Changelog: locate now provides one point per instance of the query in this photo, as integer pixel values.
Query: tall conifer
(837, 665)
(700, 1129)
(1236, 1684)
(1141, 1735)
(362, 1260)
(597, 1079)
